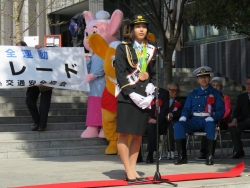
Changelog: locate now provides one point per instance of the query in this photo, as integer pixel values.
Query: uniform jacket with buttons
(122, 69)
(241, 110)
(197, 101)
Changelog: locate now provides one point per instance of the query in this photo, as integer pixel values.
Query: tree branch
(38, 15)
(180, 20)
(6, 14)
(174, 12)
(20, 7)
(143, 9)
(158, 19)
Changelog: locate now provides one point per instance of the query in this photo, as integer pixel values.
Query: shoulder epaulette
(124, 42)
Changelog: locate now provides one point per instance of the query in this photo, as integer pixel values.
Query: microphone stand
(157, 176)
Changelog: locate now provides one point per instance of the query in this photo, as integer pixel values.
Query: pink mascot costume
(109, 31)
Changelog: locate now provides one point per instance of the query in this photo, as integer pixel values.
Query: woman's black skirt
(131, 119)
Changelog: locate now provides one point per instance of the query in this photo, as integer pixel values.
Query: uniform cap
(204, 70)
(138, 19)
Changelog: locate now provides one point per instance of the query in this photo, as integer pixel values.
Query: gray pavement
(34, 171)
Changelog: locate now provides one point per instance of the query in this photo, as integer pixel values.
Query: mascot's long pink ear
(89, 17)
(115, 22)
(98, 45)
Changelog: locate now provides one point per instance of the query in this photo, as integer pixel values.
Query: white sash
(133, 77)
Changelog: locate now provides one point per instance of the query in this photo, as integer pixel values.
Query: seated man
(216, 82)
(203, 108)
(241, 121)
(173, 113)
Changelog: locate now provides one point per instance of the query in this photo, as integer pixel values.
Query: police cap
(204, 70)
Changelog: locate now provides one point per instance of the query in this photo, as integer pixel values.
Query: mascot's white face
(102, 25)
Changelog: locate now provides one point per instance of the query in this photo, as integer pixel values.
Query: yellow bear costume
(109, 102)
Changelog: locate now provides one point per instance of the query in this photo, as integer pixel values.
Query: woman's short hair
(22, 43)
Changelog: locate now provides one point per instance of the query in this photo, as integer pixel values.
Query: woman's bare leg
(123, 149)
(133, 153)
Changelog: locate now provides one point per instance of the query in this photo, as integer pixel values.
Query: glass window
(196, 33)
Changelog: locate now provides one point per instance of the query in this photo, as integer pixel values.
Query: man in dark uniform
(172, 112)
(77, 28)
(203, 108)
(241, 121)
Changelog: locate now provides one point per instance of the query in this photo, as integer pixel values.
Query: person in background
(39, 116)
(171, 114)
(204, 107)
(216, 82)
(77, 27)
(175, 108)
(163, 99)
(241, 121)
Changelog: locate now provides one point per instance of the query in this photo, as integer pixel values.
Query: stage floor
(20, 172)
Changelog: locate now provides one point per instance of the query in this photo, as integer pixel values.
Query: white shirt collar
(138, 45)
(204, 88)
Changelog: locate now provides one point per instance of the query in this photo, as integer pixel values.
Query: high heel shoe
(141, 179)
(130, 180)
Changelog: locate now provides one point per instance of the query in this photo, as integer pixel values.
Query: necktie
(171, 102)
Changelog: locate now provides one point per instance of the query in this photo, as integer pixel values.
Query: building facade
(226, 52)
(53, 17)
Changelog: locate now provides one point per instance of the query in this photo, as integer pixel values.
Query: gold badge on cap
(139, 17)
(203, 70)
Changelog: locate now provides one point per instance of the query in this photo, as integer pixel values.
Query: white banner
(63, 68)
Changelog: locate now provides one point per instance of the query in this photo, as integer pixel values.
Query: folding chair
(204, 134)
(143, 148)
(165, 145)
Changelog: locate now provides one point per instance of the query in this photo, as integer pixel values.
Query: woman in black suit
(135, 74)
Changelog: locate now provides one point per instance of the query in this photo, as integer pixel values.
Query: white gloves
(183, 118)
(209, 119)
(146, 102)
(150, 89)
(136, 98)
